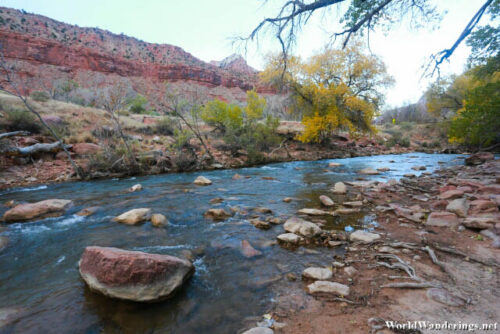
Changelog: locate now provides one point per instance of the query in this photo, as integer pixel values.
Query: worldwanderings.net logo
(439, 326)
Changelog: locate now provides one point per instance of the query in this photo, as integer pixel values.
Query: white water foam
(165, 247)
(15, 190)
(61, 259)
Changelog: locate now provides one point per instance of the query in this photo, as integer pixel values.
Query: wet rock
(217, 214)
(334, 164)
(259, 330)
(131, 275)
(4, 242)
(363, 236)
(134, 216)
(291, 277)
(317, 273)
(260, 224)
(409, 175)
(216, 200)
(302, 227)
(442, 218)
(9, 315)
(335, 243)
(12, 203)
(237, 177)
(134, 188)
(202, 181)
(313, 212)
(368, 171)
(339, 188)
(326, 201)
(274, 220)
(419, 168)
(290, 238)
(479, 158)
(451, 194)
(42, 209)
(248, 251)
(88, 211)
(287, 199)
(328, 287)
(459, 206)
(158, 220)
(263, 210)
(383, 169)
(346, 211)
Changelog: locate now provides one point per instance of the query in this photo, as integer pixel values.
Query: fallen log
(35, 149)
(14, 133)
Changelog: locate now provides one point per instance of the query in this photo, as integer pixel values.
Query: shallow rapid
(39, 276)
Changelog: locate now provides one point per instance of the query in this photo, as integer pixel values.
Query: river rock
(451, 194)
(263, 210)
(339, 188)
(248, 251)
(42, 209)
(217, 214)
(479, 158)
(334, 164)
(480, 223)
(136, 187)
(482, 206)
(303, 227)
(134, 216)
(353, 204)
(458, 206)
(364, 236)
(368, 171)
(259, 330)
(202, 181)
(237, 177)
(290, 238)
(85, 148)
(88, 211)
(350, 271)
(383, 169)
(346, 211)
(326, 201)
(317, 273)
(328, 287)
(4, 241)
(287, 199)
(132, 275)
(313, 212)
(419, 168)
(442, 218)
(260, 224)
(158, 220)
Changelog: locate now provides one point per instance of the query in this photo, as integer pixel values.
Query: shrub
(165, 126)
(17, 120)
(138, 105)
(406, 126)
(397, 138)
(182, 138)
(40, 96)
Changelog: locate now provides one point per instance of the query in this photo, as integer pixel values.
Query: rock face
(326, 201)
(202, 181)
(43, 209)
(363, 236)
(442, 218)
(339, 188)
(134, 216)
(303, 227)
(328, 287)
(131, 275)
(479, 158)
(316, 273)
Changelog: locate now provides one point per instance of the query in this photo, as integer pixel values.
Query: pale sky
(204, 28)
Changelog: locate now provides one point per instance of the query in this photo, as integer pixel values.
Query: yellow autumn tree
(335, 90)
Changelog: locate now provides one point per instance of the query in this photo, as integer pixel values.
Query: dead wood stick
(14, 133)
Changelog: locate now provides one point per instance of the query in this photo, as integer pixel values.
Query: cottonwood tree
(360, 18)
(10, 85)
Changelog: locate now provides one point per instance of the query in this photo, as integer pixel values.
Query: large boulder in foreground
(134, 216)
(43, 209)
(131, 275)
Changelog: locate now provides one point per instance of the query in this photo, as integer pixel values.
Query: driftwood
(14, 133)
(35, 149)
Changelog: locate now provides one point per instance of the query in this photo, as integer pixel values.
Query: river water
(39, 278)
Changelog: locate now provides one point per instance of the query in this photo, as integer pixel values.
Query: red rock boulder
(43, 209)
(130, 275)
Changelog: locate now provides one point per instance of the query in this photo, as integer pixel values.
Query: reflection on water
(39, 273)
